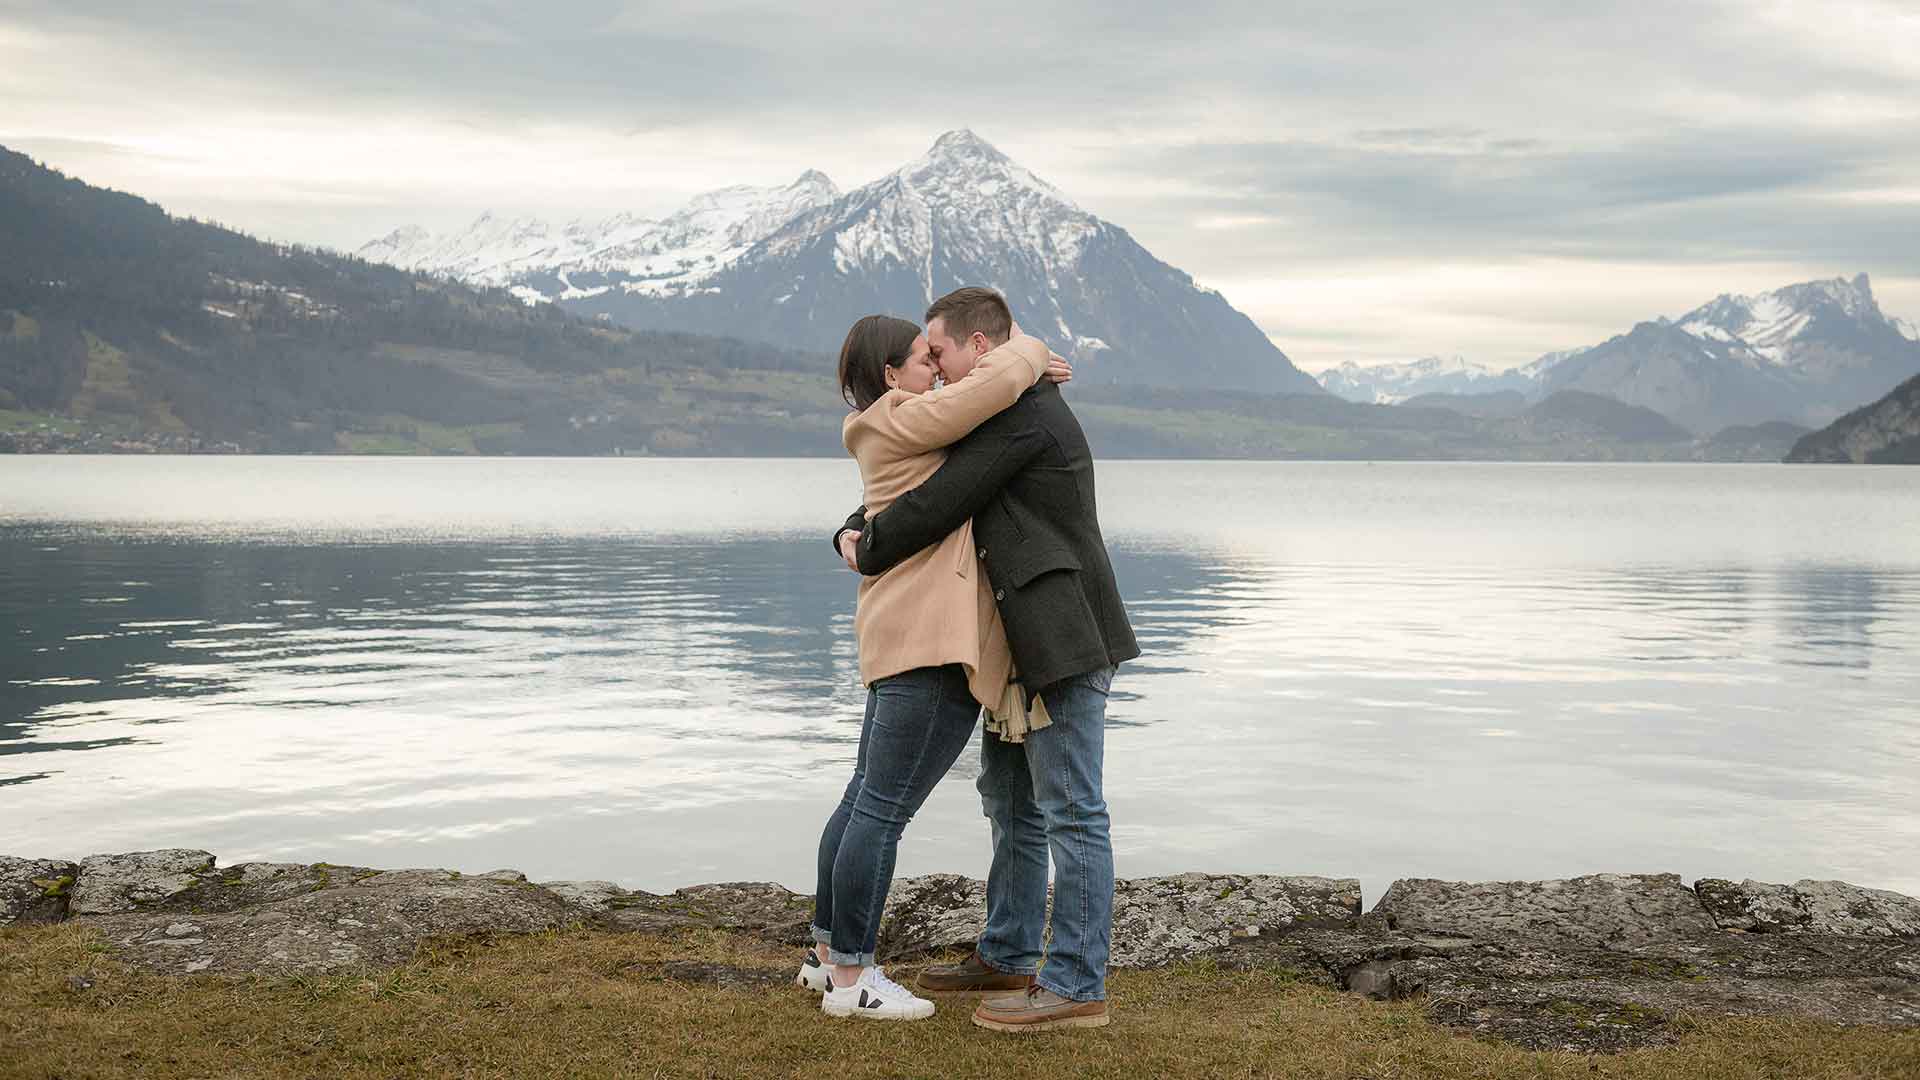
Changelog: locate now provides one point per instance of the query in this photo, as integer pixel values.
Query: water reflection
(667, 707)
(1829, 615)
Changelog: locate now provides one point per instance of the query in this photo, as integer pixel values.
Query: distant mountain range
(1394, 383)
(123, 328)
(796, 265)
(1804, 354)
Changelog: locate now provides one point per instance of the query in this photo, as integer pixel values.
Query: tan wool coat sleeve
(913, 424)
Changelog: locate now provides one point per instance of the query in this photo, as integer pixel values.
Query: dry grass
(580, 1003)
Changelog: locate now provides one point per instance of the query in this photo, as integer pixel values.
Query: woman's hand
(1058, 370)
(848, 538)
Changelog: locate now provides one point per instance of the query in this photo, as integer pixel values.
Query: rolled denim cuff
(1008, 969)
(849, 959)
(1042, 983)
(822, 937)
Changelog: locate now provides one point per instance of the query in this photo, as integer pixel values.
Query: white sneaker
(813, 974)
(875, 997)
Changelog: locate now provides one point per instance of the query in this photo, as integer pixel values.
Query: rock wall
(1598, 962)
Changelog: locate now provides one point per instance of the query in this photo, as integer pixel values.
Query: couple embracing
(986, 588)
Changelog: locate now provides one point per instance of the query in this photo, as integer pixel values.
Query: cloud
(1710, 188)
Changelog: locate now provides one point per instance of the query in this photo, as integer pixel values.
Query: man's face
(955, 358)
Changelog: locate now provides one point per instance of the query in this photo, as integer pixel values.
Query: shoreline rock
(1599, 910)
(1830, 907)
(1597, 963)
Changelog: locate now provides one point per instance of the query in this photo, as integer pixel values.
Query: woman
(932, 649)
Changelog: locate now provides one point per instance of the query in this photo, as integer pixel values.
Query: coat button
(983, 553)
(1000, 594)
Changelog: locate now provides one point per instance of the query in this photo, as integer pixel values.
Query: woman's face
(916, 373)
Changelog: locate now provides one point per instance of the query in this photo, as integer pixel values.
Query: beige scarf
(1014, 717)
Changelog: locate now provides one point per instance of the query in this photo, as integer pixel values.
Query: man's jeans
(1045, 795)
(917, 723)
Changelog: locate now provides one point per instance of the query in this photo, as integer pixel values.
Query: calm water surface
(644, 670)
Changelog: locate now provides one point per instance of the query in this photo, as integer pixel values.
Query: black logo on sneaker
(866, 1004)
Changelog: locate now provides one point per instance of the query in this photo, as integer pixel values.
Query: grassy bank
(581, 1003)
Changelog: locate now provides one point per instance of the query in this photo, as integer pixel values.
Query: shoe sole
(1101, 1020)
(869, 1014)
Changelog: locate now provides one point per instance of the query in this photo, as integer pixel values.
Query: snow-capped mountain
(798, 265)
(661, 256)
(1768, 325)
(1536, 370)
(1804, 353)
(1391, 383)
(491, 251)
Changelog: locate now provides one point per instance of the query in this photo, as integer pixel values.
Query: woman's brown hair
(875, 344)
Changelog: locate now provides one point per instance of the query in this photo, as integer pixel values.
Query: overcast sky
(1367, 181)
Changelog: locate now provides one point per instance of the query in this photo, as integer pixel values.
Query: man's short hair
(973, 310)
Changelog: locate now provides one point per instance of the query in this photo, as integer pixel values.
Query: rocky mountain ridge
(663, 256)
(1886, 432)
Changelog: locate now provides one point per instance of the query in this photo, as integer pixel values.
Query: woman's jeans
(1044, 797)
(917, 723)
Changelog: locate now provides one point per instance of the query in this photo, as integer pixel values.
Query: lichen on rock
(35, 890)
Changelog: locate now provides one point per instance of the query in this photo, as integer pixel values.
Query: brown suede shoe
(1039, 1010)
(970, 976)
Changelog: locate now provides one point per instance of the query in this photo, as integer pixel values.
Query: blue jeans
(1044, 795)
(917, 723)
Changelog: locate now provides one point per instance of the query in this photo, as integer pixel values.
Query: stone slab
(1613, 911)
(109, 884)
(1808, 906)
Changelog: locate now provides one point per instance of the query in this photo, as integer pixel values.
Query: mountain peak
(1854, 296)
(1765, 324)
(405, 234)
(961, 167)
(814, 178)
(962, 142)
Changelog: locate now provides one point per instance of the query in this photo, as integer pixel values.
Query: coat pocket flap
(1029, 563)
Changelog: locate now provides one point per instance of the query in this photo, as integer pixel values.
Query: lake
(644, 669)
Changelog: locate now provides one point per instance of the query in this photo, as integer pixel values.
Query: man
(1025, 477)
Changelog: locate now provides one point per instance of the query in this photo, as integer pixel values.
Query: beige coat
(935, 607)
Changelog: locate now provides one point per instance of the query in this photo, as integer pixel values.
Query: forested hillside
(121, 320)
